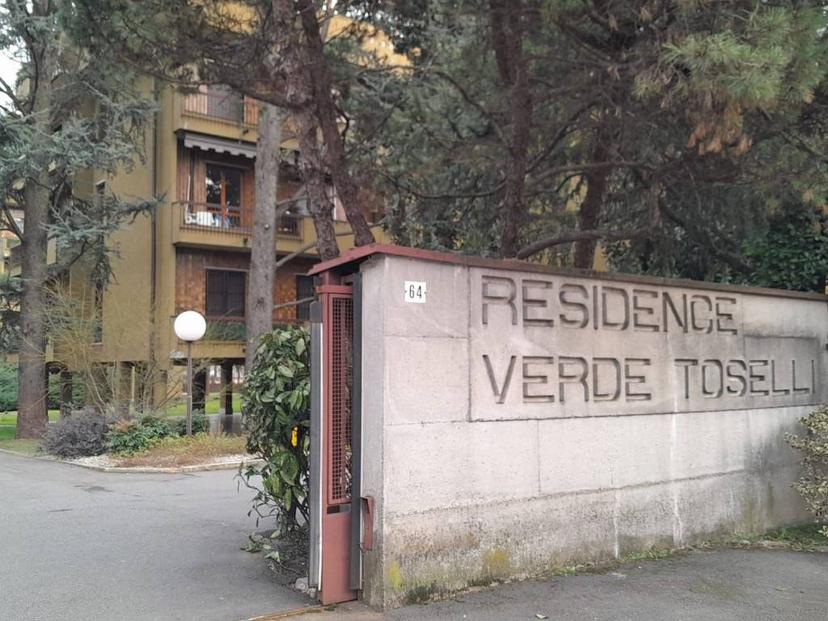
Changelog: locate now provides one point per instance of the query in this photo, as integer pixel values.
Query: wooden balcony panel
(222, 107)
(221, 225)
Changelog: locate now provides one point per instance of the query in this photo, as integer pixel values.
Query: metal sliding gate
(335, 527)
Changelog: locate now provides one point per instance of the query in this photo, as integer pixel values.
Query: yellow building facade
(193, 252)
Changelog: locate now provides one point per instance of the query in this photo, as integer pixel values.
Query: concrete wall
(519, 421)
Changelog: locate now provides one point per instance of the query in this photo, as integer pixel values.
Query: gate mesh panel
(340, 420)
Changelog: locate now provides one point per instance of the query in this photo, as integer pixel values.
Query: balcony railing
(229, 219)
(230, 330)
(223, 106)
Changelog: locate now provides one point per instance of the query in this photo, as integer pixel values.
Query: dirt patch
(188, 451)
(286, 555)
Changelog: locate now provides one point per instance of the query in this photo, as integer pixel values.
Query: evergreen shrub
(276, 414)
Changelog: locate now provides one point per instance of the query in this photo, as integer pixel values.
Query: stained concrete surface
(76, 544)
(504, 422)
(719, 585)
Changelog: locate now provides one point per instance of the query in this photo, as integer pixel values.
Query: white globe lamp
(190, 326)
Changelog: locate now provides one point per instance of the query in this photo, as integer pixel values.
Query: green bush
(8, 389)
(8, 386)
(81, 435)
(132, 436)
(793, 254)
(201, 424)
(813, 484)
(276, 414)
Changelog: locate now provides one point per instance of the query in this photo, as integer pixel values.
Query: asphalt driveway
(76, 544)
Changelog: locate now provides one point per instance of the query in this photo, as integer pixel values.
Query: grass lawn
(8, 427)
(803, 537)
(7, 441)
(211, 405)
(178, 409)
(10, 418)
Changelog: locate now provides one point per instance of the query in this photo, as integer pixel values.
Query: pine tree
(71, 111)
(671, 126)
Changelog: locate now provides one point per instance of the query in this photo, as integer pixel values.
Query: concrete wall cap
(349, 260)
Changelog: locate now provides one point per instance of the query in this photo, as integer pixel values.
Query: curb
(171, 470)
(290, 613)
(140, 469)
(27, 455)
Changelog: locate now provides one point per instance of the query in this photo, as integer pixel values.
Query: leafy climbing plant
(276, 411)
(813, 483)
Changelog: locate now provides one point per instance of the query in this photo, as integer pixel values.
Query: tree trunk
(507, 41)
(589, 214)
(322, 88)
(320, 207)
(32, 417)
(289, 59)
(263, 253)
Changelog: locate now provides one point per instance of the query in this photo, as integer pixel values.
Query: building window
(304, 290)
(223, 191)
(225, 293)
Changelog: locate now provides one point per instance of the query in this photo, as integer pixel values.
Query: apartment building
(193, 253)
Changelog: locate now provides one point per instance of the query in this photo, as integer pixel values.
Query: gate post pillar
(332, 508)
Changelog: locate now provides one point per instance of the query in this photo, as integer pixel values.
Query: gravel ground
(107, 461)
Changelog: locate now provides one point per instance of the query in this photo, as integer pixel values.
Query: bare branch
(576, 236)
(309, 246)
(11, 222)
(293, 303)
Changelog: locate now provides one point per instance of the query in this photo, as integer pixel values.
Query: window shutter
(216, 293)
(225, 293)
(235, 294)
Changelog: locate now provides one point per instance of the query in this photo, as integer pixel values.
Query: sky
(8, 70)
(8, 67)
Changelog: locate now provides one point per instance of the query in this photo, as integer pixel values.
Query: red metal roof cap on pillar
(355, 255)
(359, 254)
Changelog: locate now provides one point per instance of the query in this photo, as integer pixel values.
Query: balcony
(222, 106)
(210, 225)
(233, 220)
(225, 339)
(235, 330)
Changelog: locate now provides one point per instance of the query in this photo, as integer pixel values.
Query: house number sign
(415, 292)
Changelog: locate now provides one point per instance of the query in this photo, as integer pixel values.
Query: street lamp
(190, 326)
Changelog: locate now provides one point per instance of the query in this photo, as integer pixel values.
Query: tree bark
(289, 60)
(321, 85)
(507, 41)
(32, 417)
(259, 318)
(589, 214)
(320, 207)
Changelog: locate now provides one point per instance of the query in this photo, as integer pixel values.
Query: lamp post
(190, 326)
